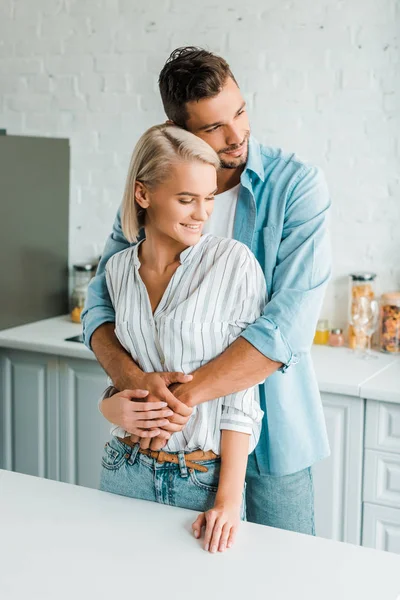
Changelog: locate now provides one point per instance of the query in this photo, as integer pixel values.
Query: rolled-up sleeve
(241, 411)
(98, 306)
(286, 328)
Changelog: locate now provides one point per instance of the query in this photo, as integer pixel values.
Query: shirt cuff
(267, 338)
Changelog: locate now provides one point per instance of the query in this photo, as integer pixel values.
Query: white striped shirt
(215, 293)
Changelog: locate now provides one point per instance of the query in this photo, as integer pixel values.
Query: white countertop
(63, 541)
(338, 370)
(47, 336)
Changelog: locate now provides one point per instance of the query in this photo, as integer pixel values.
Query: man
(278, 207)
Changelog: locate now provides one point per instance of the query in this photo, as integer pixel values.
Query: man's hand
(157, 384)
(158, 442)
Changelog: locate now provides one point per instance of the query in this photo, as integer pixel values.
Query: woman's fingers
(133, 394)
(216, 535)
(148, 407)
(210, 518)
(223, 542)
(152, 423)
(198, 525)
(232, 536)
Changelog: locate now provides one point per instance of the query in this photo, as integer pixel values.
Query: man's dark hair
(190, 74)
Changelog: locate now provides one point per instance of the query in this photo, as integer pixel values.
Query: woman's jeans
(127, 472)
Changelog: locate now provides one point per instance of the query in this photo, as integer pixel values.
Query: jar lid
(363, 276)
(83, 267)
(391, 298)
(337, 331)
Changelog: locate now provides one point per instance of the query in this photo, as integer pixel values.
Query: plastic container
(360, 284)
(390, 323)
(82, 274)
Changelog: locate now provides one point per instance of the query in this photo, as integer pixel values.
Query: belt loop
(135, 450)
(182, 464)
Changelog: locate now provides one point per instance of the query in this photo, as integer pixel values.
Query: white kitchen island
(60, 541)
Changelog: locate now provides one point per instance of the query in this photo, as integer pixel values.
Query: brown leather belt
(191, 458)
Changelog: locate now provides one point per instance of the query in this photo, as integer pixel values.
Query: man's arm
(98, 306)
(286, 328)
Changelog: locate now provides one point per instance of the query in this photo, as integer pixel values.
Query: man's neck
(228, 178)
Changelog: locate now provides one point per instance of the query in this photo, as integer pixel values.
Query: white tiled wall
(321, 78)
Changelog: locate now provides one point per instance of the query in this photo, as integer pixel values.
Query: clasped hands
(152, 413)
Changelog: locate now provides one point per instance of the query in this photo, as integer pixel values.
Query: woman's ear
(141, 194)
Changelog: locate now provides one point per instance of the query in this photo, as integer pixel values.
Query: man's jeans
(286, 502)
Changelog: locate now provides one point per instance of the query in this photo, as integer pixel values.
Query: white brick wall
(321, 78)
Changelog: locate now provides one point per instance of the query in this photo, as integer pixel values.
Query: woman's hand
(141, 418)
(221, 524)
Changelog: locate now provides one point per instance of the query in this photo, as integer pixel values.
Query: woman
(180, 299)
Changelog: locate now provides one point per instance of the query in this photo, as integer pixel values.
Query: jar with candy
(390, 323)
(336, 338)
(360, 284)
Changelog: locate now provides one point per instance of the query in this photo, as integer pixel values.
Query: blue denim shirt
(281, 216)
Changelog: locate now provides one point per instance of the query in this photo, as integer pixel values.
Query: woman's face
(179, 207)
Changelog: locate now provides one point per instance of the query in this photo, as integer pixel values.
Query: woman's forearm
(234, 453)
(116, 362)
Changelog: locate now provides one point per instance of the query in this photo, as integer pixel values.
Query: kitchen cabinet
(338, 479)
(29, 413)
(381, 528)
(51, 426)
(83, 430)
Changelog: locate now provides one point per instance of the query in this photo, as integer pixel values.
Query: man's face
(223, 123)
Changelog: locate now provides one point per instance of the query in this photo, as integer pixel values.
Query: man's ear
(141, 194)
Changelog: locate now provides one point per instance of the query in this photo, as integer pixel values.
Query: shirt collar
(254, 160)
(185, 257)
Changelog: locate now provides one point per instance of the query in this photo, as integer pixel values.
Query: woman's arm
(222, 521)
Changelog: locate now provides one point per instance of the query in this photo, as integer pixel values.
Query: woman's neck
(159, 252)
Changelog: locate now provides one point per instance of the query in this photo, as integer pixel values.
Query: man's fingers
(152, 423)
(177, 377)
(198, 524)
(172, 427)
(134, 394)
(176, 405)
(178, 419)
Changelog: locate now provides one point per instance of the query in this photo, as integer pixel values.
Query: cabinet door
(381, 528)
(338, 479)
(29, 413)
(83, 430)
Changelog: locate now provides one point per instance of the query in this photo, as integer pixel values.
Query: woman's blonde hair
(156, 151)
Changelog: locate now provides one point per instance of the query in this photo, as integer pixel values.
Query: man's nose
(233, 136)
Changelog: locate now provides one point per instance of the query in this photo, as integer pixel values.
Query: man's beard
(234, 163)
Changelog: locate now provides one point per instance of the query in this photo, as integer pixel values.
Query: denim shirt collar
(254, 160)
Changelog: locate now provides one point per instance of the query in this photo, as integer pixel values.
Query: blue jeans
(127, 472)
(286, 502)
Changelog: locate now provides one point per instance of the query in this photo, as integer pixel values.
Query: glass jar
(322, 332)
(82, 274)
(336, 338)
(360, 284)
(390, 322)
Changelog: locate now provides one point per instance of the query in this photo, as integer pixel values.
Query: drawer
(382, 427)
(382, 478)
(381, 528)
